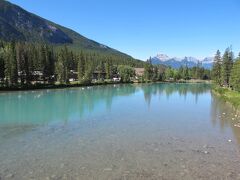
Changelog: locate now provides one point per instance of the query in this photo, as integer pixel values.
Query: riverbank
(55, 86)
(228, 95)
(77, 84)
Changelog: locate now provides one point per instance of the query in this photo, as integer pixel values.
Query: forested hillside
(20, 25)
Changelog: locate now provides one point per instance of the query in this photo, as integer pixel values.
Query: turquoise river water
(136, 132)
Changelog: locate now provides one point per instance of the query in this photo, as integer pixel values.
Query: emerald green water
(150, 131)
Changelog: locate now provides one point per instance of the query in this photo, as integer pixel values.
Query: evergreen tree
(60, 69)
(186, 73)
(81, 67)
(217, 68)
(88, 72)
(155, 73)
(11, 69)
(235, 76)
(2, 75)
(148, 70)
(108, 70)
(226, 67)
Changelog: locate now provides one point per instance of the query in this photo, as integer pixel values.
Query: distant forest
(25, 64)
(22, 64)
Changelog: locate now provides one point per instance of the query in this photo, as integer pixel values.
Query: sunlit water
(157, 131)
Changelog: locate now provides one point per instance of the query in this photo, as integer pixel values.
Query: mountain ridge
(19, 24)
(176, 62)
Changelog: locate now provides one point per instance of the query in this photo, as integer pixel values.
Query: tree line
(162, 73)
(226, 70)
(23, 64)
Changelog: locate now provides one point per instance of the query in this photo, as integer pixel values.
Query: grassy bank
(228, 95)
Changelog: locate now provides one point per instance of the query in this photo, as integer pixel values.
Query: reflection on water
(40, 107)
(29, 109)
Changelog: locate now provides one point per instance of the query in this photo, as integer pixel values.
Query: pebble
(229, 140)
(107, 169)
(206, 152)
(236, 125)
(224, 113)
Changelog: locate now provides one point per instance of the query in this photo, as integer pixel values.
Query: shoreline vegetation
(226, 77)
(76, 84)
(228, 95)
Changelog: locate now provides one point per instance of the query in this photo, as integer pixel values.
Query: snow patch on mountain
(177, 62)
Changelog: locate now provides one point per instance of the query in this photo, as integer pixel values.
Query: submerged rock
(107, 169)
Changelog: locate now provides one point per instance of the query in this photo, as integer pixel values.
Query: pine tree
(235, 76)
(217, 68)
(88, 72)
(11, 69)
(2, 75)
(155, 73)
(227, 66)
(81, 67)
(148, 70)
(186, 73)
(108, 70)
(60, 70)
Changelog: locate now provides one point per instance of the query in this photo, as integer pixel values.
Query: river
(149, 131)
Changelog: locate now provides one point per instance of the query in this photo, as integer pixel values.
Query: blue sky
(143, 28)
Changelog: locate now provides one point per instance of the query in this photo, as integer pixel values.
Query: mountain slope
(18, 24)
(176, 63)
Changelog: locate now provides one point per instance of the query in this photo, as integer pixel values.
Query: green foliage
(126, 72)
(81, 66)
(10, 63)
(235, 76)
(217, 68)
(227, 64)
(169, 73)
(148, 72)
(24, 64)
(228, 95)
